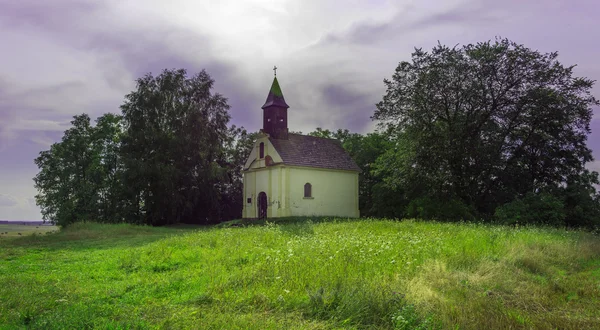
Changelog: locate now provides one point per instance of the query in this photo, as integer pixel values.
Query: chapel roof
(275, 97)
(312, 151)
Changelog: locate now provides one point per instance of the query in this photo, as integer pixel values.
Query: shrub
(541, 208)
(582, 206)
(448, 210)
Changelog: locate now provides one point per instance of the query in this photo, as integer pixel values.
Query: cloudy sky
(59, 58)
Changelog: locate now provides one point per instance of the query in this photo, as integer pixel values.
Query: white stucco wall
(334, 192)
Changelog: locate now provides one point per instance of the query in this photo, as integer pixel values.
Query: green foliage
(576, 204)
(169, 158)
(581, 201)
(484, 123)
(448, 210)
(300, 274)
(172, 150)
(541, 208)
(79, 177)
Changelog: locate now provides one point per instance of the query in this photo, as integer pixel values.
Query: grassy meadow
(13, 230)
(301, 275)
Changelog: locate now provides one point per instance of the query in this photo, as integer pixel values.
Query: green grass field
(301, 275)
(23, 230)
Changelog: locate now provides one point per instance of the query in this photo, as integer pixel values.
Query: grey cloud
(41, 94)
(90, 26)
(32, 103)
(594, 166)
(245, 110)
(45, 14)
(474, 12)
(354, 109)
(7, 201)
(339, 95)
(339, 107)
(19, 157)
(143, 52)
(126, 53)
(410, 20)
(123, 53)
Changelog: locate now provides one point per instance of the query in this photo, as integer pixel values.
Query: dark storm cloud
(246, 111)
(339, 95)
(353, 108)
(84, 25)
(410, 20)
(472, 13)
(142, 52)
(30, 102)
(47, 14)
(137, 51)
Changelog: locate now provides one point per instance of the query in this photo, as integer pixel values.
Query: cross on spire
(275, 71)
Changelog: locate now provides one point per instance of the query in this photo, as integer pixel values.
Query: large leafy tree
(172, 149)
(64, 184)
(108, 168)
(79, 176)
(484, 124)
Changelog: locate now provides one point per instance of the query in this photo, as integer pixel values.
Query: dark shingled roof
(311, 151)
(275, 97)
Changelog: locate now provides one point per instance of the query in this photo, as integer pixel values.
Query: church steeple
(275, 97)
(275, 112)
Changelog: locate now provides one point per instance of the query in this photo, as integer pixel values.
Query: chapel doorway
(262, 205)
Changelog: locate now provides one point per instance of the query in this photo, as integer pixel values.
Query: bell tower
(275, 112)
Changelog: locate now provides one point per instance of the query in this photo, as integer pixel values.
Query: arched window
(262, 150)
(307, 190)
(268, 160)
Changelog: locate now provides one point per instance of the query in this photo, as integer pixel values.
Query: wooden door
(262, 205)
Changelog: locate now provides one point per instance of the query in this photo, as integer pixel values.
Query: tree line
(492, 131)
(169, 157)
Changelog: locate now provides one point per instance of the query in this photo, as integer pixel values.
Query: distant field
(339, 274)
(11, 230)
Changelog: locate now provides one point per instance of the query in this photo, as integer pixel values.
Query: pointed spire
(275, 97)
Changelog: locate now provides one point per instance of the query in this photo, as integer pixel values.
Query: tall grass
(319, 275)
